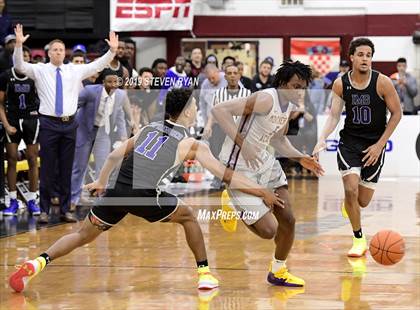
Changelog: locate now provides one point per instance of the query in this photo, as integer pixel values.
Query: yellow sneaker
(358, 266)
(206, 281)
(344, 211)
(283, 278)
(205, 297)
(228, 225)
(359, 247)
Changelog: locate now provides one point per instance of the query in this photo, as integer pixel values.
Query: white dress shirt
(106, 106)
(72, 75)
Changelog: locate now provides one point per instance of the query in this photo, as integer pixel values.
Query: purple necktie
(58, 93)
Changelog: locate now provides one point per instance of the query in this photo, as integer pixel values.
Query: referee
(215, 135)
(58, 87)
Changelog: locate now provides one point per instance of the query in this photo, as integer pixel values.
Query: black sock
(47, 258)
(358, 234)
(203, 263)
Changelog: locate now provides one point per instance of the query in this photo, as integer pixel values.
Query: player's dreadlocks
(288, 69)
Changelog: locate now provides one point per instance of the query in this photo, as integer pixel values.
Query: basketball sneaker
(33, 207)
(20, 278)
(358, 266)
(205, 297)
(359, 247)
(13, 207)
(344, 211)
(206, 281)
(282, 277)
(230, 224)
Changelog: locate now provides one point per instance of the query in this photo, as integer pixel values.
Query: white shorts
(271, 176)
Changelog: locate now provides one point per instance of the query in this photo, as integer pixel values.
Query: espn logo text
(147, 9)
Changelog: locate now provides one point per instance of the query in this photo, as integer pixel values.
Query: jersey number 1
(150, 146)
(22, 102)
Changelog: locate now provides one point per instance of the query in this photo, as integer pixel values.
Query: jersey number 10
(361, 115)
(150, 146)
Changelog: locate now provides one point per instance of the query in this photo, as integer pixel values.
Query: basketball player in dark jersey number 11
(366, 95)
(147, 160)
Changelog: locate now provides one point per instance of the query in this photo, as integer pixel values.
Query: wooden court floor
(137, 265)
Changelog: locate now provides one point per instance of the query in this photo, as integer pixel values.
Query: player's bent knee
(363, 203)
(98, 223)
(351, 193)
(267, 232)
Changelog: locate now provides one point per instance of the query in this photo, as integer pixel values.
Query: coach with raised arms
(58, 86)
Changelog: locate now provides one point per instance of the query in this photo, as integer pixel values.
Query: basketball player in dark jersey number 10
(148, 161)
(366, 95)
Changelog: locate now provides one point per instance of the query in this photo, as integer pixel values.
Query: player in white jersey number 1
(263, 121)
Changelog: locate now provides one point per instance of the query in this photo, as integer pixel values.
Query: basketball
(387, 247)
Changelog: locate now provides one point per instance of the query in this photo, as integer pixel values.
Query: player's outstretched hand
(113, 41)
(312, 164)
(95, 189)
(372, 155)
(272, 200)
(319, 147)
(20, 37)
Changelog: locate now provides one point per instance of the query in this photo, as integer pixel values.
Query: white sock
(13, 195)
(32, 196)
(277, 264)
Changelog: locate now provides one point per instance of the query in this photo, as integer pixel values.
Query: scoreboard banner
(146, 15)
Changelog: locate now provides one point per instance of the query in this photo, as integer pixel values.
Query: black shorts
(26, 129)
(349, 159)
(150, 204)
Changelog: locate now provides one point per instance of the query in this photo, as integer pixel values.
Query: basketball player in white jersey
(263, 121)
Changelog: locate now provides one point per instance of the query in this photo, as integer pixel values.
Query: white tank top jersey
(258, 130)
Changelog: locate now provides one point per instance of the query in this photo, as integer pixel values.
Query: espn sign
(145, 15)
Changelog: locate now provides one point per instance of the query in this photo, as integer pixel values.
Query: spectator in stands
(188, 67)
(116, 67)
(263, 79)
(5, 22)
(196, 62)
(77, 58)
(228, 61)
(212, 59)
(317, 92)
(159, 68)
(101, 111)
(406, 86)
(175, 78)
(144, 100)
(215, 80)
(246, 81)
(129, 56)
(6, 61)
